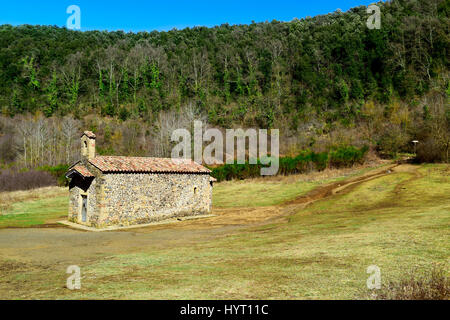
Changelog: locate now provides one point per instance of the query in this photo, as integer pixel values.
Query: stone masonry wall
(92, 188)
(75, 204)
(135, 198)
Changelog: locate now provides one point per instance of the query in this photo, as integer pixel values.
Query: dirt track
(46, 247)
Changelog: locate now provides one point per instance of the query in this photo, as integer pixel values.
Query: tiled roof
(157, 165)
(89, 134)
(81, 170)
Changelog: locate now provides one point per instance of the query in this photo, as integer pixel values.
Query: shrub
(13, 181)
(58, 172)
(320, 160)
(432, 286)
(430, 150)
(347, 156)
(305, 161)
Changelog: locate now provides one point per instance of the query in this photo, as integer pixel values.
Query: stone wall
(134, 198)
(74, 202)
(137, 198)
(77, 188)
(87, 147)
(92, 188)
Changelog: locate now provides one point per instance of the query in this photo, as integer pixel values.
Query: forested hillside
(324, 82)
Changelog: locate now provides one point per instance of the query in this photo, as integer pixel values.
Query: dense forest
(325, 82)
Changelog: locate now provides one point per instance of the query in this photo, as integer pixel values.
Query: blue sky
(148, 15)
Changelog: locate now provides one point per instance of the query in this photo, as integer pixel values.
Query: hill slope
(323, 81)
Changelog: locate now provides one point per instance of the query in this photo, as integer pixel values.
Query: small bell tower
(88, 145)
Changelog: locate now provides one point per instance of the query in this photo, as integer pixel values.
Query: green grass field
(34, 208)
(399, 222)
(276, 190)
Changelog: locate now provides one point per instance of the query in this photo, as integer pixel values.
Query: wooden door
(83, 208)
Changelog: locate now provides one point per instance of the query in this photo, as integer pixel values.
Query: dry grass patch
(416, 285)
(7, 199)
(322, 252)
(274, 190)
(34, 207)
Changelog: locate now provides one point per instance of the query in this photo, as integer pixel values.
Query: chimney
(88, 145)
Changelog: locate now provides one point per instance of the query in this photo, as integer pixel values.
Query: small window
(195, 190)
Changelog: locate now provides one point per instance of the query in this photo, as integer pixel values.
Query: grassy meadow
(33, 208)
(398, 221)
(50, 204)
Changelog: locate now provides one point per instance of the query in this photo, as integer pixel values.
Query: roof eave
(154, 172)
(71, 173)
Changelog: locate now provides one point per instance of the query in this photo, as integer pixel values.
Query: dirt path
(342, 187)
(50, 247)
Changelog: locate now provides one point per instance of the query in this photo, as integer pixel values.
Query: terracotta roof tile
(89, 134)
(82, 170)
(157, 165)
